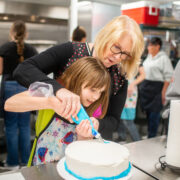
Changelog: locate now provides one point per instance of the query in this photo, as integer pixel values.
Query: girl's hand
(84, 130)
(95, 123)
(70, 104)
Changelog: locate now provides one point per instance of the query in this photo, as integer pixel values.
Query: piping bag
(41, 89)
(82, 115)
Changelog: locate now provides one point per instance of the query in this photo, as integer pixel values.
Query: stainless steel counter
(145, 155)
(48, 171)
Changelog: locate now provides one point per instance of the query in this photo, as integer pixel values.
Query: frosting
(123, 174)
(93, 159)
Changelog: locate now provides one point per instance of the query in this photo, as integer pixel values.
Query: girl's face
(89, 95)
(119, 51)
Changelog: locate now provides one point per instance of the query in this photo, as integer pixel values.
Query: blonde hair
(110, 34)
(18, 32)
(91, 71)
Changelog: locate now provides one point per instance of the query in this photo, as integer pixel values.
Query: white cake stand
(64, 174)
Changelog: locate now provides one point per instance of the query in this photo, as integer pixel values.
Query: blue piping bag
(82, 115)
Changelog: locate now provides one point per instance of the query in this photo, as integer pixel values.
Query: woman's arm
(37, 67)
(163, 92)
(1, 65)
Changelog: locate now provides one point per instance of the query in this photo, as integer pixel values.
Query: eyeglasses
(122, 55)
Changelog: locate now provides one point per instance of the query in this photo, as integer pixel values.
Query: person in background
(159, 71)
(87, 78)
(17, 125)
(129, 111)
(119, 45)
(79, 34)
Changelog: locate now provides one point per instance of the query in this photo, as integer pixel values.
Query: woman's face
(89, 95)
(121, 50)
(153, 49)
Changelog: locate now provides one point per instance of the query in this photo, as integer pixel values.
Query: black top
(54, 60)
(10, 57)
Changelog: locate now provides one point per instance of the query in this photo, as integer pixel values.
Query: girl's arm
(137, 81)
(23, 102)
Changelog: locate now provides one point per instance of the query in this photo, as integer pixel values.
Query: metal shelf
(158, 28)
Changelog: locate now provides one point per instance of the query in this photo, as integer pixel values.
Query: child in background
(126, 124)
(88, 78)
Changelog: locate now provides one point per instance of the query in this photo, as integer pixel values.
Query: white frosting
(96, 159)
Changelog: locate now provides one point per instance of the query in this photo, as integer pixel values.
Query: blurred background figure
(159, 71)
(126, 124)
(17, 125)
(79, 34)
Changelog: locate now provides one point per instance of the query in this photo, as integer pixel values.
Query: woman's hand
(70, 104)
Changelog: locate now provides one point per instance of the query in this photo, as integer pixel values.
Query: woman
(159, 71)
(118, 45)
(17, 125)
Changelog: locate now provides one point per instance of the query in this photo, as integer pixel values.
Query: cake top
(95, 152)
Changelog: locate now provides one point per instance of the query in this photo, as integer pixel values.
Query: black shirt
(8, 52)
(53, 60)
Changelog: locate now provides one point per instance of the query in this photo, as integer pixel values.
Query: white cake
(89, 159)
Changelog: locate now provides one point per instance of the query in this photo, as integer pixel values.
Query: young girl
(88, 78)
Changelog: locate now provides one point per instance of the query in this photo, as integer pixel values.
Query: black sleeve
(110, 122)
(37, 67)
(33, 51)
(3, 49)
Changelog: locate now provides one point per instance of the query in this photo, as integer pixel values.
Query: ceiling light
(42, 20)
(83, 3)
(176, 2)
(5, 18)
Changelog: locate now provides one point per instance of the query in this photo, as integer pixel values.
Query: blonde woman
(89, 79)
(17, 125)
(118, 45)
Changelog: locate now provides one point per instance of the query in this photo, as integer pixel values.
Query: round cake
(94, 159)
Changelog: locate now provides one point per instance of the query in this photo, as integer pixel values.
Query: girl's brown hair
(18, 32)
(91, 71)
